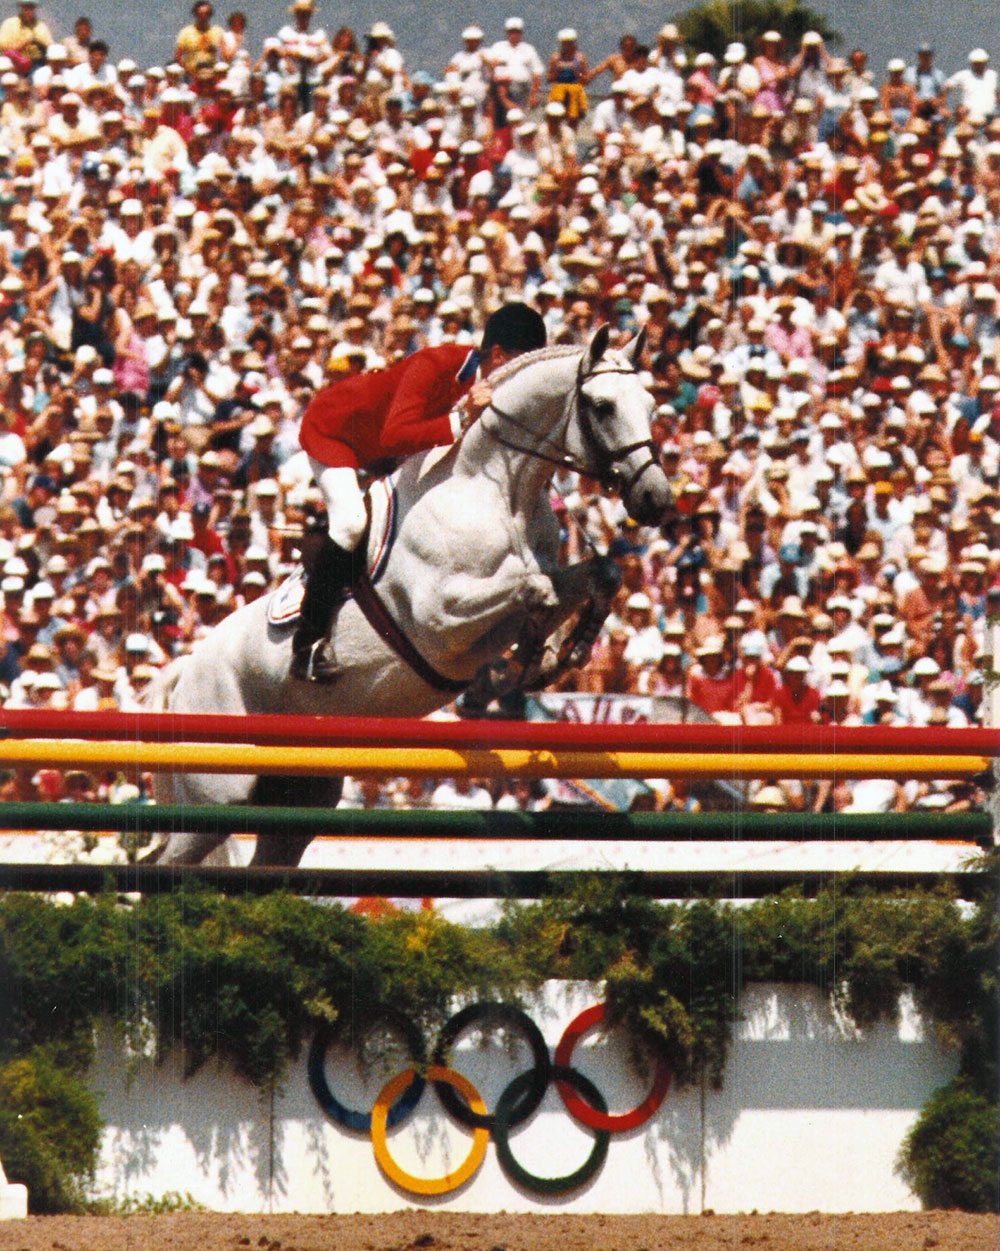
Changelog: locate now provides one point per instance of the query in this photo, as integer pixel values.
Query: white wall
(810, 1116)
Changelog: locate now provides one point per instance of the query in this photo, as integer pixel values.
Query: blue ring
(361, 1122)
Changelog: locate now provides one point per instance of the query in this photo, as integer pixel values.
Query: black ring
(536, 1079)
(591, 1166)
(361, 1122)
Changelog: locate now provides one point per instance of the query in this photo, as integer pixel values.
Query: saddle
(285, 603)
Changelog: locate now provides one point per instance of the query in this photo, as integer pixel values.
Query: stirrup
(307, 665)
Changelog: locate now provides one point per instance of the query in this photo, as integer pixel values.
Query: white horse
(473, 563)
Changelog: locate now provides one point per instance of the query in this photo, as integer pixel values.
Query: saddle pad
(285, 603)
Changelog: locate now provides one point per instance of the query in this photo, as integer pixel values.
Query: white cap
(472, 32)
(514, 23)
(181, 529)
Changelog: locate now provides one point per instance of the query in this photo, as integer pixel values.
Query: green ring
(508, 1104)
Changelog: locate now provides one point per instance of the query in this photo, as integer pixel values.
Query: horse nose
(653, 500)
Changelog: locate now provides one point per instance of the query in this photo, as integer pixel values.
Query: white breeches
(345, 503)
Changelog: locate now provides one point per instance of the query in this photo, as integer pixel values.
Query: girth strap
(381, 621)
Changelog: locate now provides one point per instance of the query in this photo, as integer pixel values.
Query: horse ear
(633, 350)
(598, 346)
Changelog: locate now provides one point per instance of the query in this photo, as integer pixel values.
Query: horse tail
(157, 695)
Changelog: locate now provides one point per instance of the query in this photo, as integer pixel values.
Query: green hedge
(246, 981)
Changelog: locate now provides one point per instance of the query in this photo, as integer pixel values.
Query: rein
(610, 477)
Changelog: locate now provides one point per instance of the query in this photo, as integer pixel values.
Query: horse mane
(552, 352)
(555, 351)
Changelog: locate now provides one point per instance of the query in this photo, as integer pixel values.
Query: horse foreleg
(587, 591)
(540, 653)
(596, 580)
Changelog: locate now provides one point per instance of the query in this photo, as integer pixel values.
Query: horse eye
(604, 409)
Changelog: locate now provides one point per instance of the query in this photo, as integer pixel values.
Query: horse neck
(526, 423)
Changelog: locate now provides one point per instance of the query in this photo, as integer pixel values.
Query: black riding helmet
(516, 327)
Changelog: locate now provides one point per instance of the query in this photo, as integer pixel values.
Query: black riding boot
(332, 572)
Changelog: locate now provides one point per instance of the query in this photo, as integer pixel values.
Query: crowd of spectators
(189, 252)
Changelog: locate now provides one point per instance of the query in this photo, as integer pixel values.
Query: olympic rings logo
(521, 1098)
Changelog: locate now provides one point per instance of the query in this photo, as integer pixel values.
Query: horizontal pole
(552, 824)
(290, 731)
(453, 884)
(379, 761)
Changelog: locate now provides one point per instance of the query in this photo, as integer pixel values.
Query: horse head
(611, 436)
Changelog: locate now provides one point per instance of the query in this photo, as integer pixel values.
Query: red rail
(530, 735)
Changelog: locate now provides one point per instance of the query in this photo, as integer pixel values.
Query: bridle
(610, 476)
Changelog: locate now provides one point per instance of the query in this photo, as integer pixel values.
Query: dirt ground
(452, 1231)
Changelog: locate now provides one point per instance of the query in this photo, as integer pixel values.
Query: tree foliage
(712, 26)
(50, 1131)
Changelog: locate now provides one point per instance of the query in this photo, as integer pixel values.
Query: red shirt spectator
(796, 702)
(710, 685)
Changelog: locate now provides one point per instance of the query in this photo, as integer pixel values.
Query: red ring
(579, 1108)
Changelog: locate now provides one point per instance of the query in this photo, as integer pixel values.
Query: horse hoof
(607, 576)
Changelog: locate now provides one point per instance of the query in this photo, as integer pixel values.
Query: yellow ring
(428, 1185)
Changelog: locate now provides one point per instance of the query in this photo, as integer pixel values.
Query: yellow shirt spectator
(200, 43)
(25, 35)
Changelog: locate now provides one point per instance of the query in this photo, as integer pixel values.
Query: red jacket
(389, 412)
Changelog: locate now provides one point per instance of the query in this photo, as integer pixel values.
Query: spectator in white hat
(304, 50)
(796, 702)
(522, 61)
(976, 85)
(470, 67)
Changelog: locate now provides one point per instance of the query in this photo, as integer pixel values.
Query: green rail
(591, 826)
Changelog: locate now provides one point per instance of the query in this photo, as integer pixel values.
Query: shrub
(50, 1132)
(951, 1156)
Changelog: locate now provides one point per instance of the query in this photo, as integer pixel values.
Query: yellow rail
(374, 761)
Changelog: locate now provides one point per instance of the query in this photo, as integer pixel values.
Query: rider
(394, 412)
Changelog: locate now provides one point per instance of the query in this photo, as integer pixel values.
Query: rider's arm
(419, 415)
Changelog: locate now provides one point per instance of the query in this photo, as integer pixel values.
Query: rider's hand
(480, 398)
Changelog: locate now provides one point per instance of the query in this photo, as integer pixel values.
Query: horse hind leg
(290, 792)
(183, 848)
